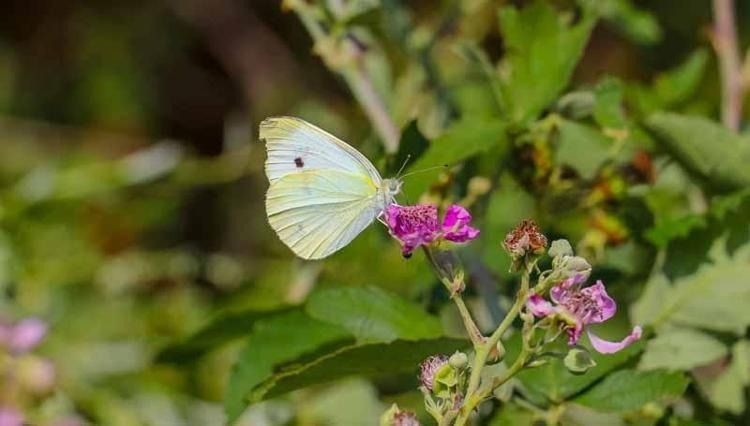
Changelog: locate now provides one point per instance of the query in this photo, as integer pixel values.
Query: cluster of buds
(443, 379)
(395, 416)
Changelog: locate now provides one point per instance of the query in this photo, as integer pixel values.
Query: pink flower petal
(456, 225)
(538, 306)
(10, 417)
(605, 304)
(26, 335)
(607, 347)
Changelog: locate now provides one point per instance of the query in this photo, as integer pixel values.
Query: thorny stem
(727, 49)
(355, 74)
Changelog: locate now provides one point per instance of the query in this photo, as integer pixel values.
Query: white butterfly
(323, 192)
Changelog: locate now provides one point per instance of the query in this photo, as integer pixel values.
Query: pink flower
(579, 307)
(429, 368)
(10, 417)
(418, 225)
(24, 335)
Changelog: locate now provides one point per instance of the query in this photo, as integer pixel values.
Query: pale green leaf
(628, 390)
(681, 349)
(705, 147)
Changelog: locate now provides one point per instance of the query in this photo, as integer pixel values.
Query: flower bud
(429, 368)
(458, 360)
(578, 361)
(560, 248)
(576, 105)
(395, 416)
(576, 265)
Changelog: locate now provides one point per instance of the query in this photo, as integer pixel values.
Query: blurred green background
(131, 205)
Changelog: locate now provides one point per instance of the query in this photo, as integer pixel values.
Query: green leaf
(681, 349)
(727, 390)
(677, 85)
(608, 111)
(706, 299)
(372, 314)
(222, 329)
(706, 148)
(373, 359)
(276, 341)
(463, 140)
(628, 390)
(582, 147)
(555, 383)
(638, 25)
(542, 52)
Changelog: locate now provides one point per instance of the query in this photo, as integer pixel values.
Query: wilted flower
(525, 239)
(23, 336)
(429, 368)
(579, 307)
(418, 225)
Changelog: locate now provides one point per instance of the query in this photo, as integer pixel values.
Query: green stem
(450, 283)
(477, 339)
(473, 395)
(357, 78)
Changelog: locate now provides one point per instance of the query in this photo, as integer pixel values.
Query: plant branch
(727, 50)
(346, 58)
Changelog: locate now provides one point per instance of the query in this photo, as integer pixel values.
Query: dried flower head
(525, 239)
(429, 368)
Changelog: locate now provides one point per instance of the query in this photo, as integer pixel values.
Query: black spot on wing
(299, 163)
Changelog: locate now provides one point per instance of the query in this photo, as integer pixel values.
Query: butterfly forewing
(296, 146)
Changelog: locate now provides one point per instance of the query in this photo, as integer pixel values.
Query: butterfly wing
(296, 146)
(323, 192)
(315, 213)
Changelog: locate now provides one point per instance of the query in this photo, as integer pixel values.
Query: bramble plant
(454, 386)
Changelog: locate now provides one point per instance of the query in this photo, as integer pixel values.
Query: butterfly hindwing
(316, 213)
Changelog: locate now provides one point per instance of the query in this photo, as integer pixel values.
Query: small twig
(727, 50)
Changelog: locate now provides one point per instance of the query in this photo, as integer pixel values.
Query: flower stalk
(454, 387)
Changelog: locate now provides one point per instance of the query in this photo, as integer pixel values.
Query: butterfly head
(391, 187)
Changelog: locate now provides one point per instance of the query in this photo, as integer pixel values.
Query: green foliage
(681, 349)
(372, 315)
(705, 300)
(554, 383)
(628, 390)
(464, 139)
(542, 51)
(706, 148)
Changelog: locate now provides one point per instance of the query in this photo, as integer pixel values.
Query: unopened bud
(578, 361)
(560, 248)
(458, 360)
(395, 416)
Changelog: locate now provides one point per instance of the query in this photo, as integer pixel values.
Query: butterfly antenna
(444, 166)
(403, 166)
